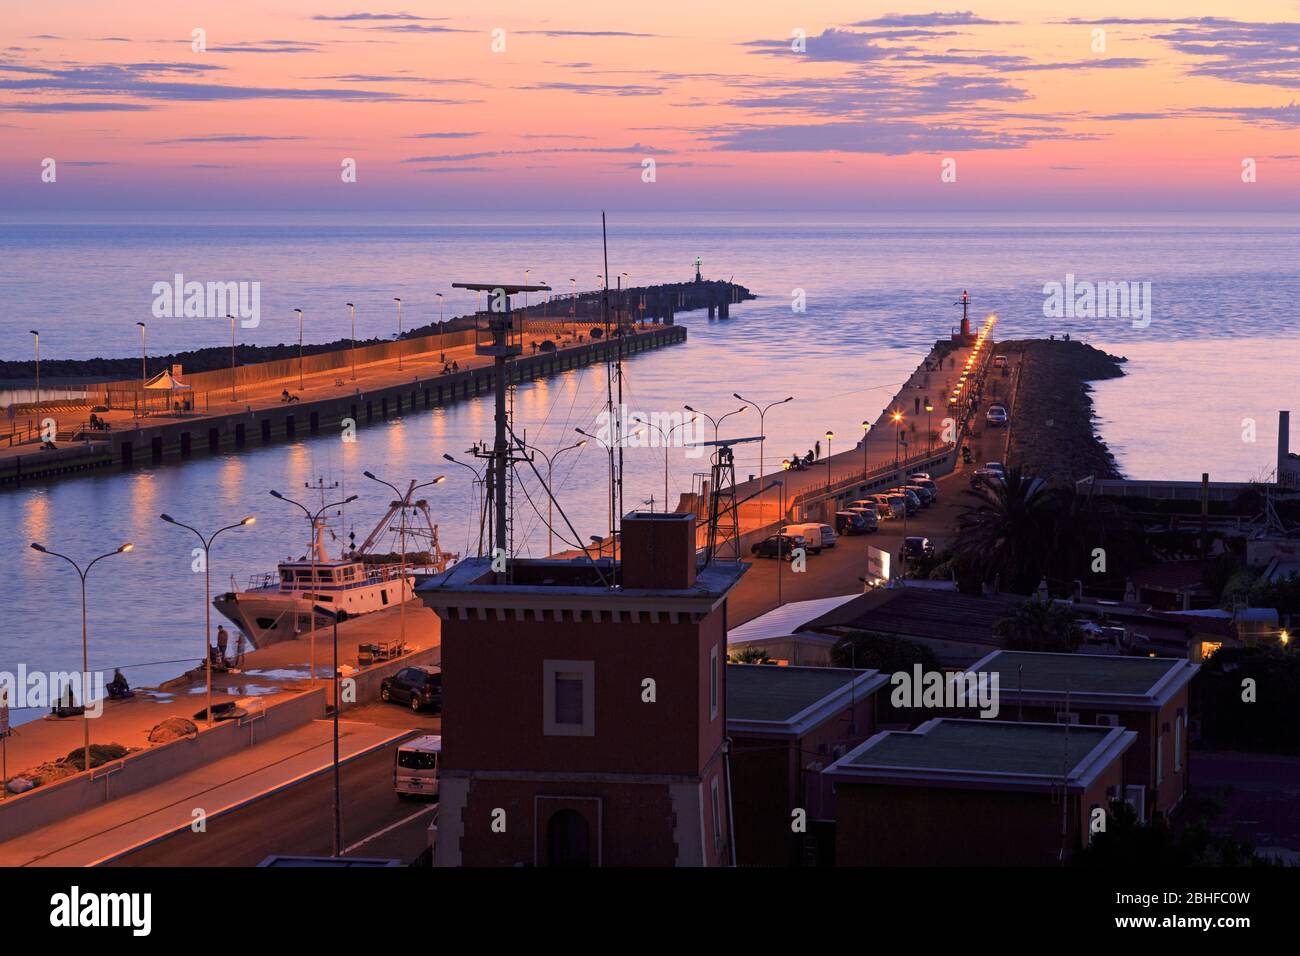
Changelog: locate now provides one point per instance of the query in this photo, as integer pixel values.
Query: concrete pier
(258, 416)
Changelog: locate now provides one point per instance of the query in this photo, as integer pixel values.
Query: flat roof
(769, 698)
(1087, 678)
(995, 754)
(786, 620)
(922, 612)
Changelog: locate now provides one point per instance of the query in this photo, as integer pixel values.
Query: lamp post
(38, 364)
(762, 432)
(405, 500)
(717, 422)
(399, 332)
(299, 314)
(85, 644)
(550, 497)
(573, 305)
(207, 590)
(866, 430)
(353, 308)
(232, 355)
(666, 437)
(442, 350)
(780, 539)
(929, 427)
(829, 436)
(478, 480)
(144, 356)
(608, 446)
(897, 418)
(314, 519)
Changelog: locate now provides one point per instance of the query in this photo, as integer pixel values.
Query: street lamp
(232, 355)
(38, 364)
(897, 418)
(354, 340)
(829, 436)
(85, 644)
(314, 519)
(442, 351)
(399, 332)
(666, 436)
(478, 480)
(608, 446)
(207, 590)
(762, 432)
(144, 360)
(866, 430)
(717, 422)
(573, 305)
(550, 495)
(405, 500)
(299, 313)
(929, 428)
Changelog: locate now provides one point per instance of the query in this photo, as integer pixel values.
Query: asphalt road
(836, 570)
(298, 821)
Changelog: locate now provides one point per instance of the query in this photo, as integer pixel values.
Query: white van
(415, 767)
(812, 535)
(829, 537)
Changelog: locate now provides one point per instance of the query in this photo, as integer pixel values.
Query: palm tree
(1007, 530)
(1040, 626)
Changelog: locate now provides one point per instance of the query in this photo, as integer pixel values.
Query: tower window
(569, 698)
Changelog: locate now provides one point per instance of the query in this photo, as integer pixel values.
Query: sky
(271, 105)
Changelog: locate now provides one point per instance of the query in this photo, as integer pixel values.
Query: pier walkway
(255, 411)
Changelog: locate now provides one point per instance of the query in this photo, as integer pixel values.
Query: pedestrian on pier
(817, 446)
(223, 641)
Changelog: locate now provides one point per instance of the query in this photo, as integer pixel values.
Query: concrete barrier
(145, 768)
(368, 680)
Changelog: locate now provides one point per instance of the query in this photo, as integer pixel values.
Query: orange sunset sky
(1133, 105)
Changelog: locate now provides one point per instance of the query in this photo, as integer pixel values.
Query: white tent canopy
(168, 381)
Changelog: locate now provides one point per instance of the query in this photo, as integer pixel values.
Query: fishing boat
(278, 606)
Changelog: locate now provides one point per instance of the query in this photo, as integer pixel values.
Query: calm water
(1219, 349)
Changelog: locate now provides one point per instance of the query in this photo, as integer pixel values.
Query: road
(298, 821)
(837, 570)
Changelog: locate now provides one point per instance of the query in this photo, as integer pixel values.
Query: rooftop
(1088, 677)
(767, 693)
(921, 612)
(786, 619)
(946, 752)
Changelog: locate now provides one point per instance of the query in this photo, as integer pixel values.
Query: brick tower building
(584, 724)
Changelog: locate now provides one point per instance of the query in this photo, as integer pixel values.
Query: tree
(1128, 844)
(750, 655)
(1006, 530)
(887, 653)
(1040, 626)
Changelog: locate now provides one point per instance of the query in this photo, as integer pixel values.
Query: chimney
(658, 551)
(1283, 439)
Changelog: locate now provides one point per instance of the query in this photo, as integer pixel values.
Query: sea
(847, 306)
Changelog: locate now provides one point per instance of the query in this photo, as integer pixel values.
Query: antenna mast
(497, 334)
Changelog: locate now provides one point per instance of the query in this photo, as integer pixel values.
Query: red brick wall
(881, 825)
(493, 693)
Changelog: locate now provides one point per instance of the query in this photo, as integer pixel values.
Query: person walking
(223, 641)
(817, 450)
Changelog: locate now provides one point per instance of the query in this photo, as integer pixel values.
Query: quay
(224, 410)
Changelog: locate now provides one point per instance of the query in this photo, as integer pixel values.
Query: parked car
(870, 517)
(996, 415)
(991, 474)
(894, 504)
(916, 549)
(417, 687)
(852, 522)
(999, 361)
(774, 544)
(912, 499)
(922, 492)
(415, 767)
(814, 535)
(927, 483)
